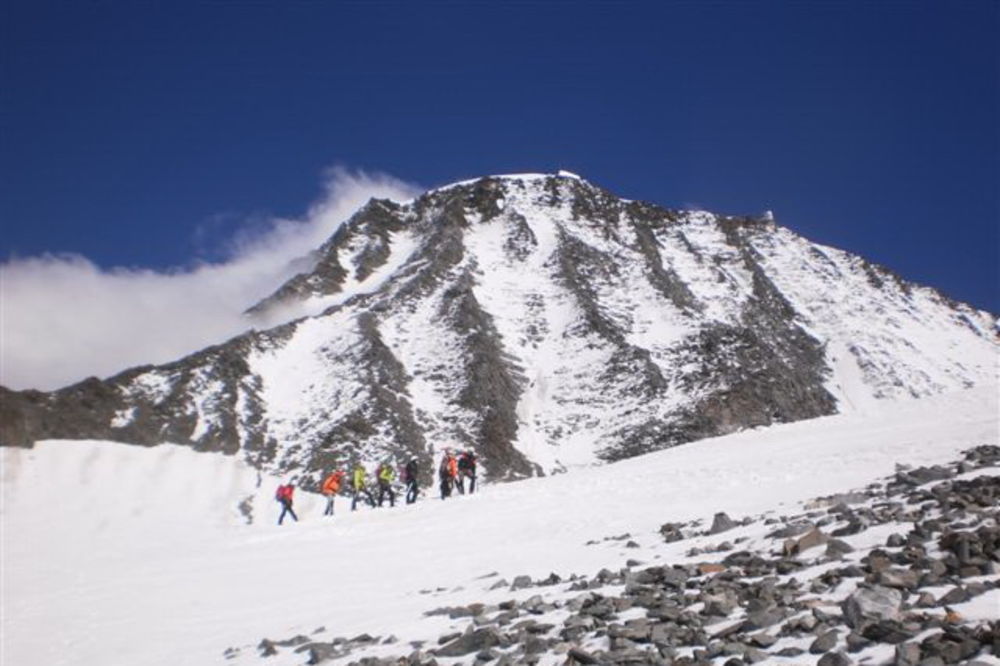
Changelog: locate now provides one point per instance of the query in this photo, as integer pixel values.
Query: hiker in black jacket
(467, 470)
(410, 477)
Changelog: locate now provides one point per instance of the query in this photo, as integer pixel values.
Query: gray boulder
(763, 618)
(810, 539)
(907, 654)
(469, 642)
(721, 523)
(580, 656)
(906, 579)
(521, 582)
(872, 604)
(834, 659)
(826, 642)
(836, 548)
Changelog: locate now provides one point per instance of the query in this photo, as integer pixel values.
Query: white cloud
(62, 318)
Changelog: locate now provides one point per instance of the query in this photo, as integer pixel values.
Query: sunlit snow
(124, 554)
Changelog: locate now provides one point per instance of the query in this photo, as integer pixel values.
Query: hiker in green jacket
(360, 486)
(386, 475)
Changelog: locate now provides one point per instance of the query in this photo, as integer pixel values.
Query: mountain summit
(543, 322)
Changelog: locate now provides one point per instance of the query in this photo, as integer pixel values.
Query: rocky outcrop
(491, 383)
(194, 401)
(365, 238)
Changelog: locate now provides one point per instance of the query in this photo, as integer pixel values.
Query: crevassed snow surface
(122, 554)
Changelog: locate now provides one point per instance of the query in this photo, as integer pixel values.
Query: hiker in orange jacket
(447, 473)
(330, 488)
(453, 473)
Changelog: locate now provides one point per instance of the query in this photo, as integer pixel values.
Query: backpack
(332, 483)
(283, 493)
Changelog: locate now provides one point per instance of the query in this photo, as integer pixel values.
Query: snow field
(142, 556)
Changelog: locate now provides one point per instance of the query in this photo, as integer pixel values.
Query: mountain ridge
(542, 321)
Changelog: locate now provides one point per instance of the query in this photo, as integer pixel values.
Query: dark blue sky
(871, 126)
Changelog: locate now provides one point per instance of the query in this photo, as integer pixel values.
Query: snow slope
(122, 554)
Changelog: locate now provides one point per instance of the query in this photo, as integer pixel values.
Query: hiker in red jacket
(284, 496)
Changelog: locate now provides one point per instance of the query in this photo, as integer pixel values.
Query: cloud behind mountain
(64, 318)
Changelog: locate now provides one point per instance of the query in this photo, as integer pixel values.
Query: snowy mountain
(545, 323)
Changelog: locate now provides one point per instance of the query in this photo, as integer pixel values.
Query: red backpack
(284, 493)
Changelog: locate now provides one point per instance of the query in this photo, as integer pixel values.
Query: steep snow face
(516, 265)
(545, 323)
(161, 555)
(896, 339)
(310, 381)
(698, 251)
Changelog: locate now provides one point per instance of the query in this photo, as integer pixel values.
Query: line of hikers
(452, 474)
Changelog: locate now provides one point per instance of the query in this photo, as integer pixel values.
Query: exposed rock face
(543, 322)
(148, 406)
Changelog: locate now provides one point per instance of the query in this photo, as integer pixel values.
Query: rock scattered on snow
(841, 603)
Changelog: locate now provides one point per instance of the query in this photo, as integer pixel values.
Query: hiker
(361, 487)
(456, 481)
(410, 477)
(284, 496)
(330, 488)
(447, 472)
(386, 475)
(467, 469)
